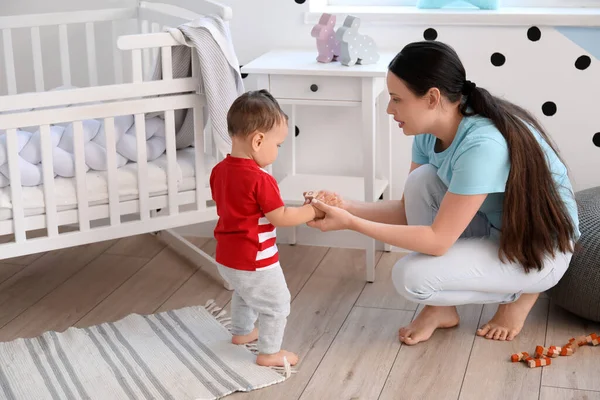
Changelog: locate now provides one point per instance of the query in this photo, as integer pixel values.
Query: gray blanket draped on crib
(219, 76)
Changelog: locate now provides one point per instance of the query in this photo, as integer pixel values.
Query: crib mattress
(97, 185)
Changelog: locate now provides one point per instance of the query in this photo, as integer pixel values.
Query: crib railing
(62, 21)
(149, 18)
(137, 98)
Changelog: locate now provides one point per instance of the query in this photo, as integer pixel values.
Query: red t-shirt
(244, 193)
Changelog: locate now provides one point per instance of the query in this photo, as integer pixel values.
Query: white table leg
(369, 132)
(290, 156)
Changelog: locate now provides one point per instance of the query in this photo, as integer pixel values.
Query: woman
(488, 210)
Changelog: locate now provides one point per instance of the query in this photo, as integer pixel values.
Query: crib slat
(80, 177)
(167, 63)
(154, 28)
(111, 160)
(65, 63)
(15, 186)
(145, 28)
(171, 162)
(38, 68)
(9, 61)
(118, 55)
(136, 66)
(142, 165)
(199, 154)
(91, 53)
(48, 172)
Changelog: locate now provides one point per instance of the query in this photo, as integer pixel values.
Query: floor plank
(434, 369)
(57, 311)
(317, 314)
(575, 371)
(299, 263)
(200, 287)
(508, 380)
(553, 393)
(358, 362)
(145, 291)
(7, 270)
(32, 283)
(146, 246)
(381, 293)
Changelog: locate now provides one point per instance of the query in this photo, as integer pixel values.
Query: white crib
(140, 197)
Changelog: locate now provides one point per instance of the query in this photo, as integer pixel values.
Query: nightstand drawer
(315, 87)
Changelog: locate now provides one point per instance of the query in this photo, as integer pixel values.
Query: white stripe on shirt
(263, 237)
(266, 253)
(274, 265)
(263, 221)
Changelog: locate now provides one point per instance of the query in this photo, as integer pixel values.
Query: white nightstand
(295, 78)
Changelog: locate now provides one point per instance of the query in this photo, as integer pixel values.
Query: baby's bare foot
(245, 339)
(276, 360)
(509, 319)
(430, 319)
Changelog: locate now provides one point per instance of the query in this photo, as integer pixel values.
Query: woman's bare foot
(509, 319)
(245, 339)
(276, 360)
(430, 319)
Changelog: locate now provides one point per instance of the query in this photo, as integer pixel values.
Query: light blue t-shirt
(477, 161)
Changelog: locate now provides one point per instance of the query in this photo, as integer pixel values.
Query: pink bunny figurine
(327, 44)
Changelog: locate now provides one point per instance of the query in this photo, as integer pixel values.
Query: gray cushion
(579, 289)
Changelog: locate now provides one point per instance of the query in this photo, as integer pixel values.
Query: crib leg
(192, 253)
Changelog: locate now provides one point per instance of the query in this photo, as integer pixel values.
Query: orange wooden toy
(542, 355)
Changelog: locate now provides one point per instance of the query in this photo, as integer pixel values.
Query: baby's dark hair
(255, 110)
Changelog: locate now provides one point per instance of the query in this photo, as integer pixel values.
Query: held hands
(329, 198)
(329, 208)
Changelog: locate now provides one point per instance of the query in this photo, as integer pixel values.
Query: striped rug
(177, 355)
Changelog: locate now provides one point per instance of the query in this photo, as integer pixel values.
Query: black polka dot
(596, 139)
(243, 75)
(549, 108)
(498, 59)
(583, 62)
(534, 34)
(300, 1)
(430, 34)
(297, 130)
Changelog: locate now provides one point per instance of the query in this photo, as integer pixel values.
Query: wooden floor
(344, 330)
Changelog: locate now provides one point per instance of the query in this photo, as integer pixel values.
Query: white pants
(261, 295)
(471, 271)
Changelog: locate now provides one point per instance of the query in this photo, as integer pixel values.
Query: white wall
(534, 72)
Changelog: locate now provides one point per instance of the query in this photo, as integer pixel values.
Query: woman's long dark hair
(535, 221)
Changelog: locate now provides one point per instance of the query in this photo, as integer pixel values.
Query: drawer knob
(314, 87)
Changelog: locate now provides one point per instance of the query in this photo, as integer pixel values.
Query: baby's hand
(329, 198)
(308, 197)
(318, 213)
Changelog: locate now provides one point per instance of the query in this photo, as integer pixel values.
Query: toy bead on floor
(543, 355)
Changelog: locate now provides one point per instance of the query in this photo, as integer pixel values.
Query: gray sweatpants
(471, 272)
(261, 295)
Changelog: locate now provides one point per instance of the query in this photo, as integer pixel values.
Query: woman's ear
(257, 140)
(433, 97)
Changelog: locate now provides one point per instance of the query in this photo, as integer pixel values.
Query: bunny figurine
(327, 44)
(356, 48)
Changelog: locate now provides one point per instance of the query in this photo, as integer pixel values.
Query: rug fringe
(220, 315)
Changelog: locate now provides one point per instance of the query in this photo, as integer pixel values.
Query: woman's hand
(335, 218)
(325, 196)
